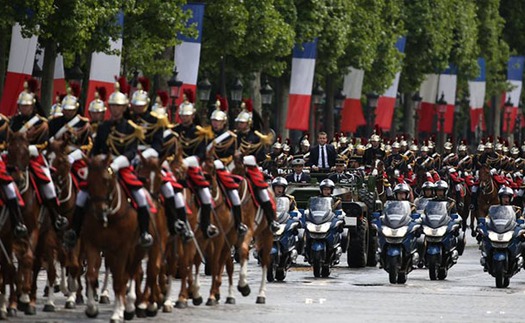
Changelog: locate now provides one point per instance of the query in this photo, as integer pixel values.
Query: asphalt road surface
(348, 295)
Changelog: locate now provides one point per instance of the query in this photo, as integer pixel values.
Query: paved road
(349, 295)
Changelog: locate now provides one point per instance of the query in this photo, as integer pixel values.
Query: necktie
(323, 157)
(296, 178)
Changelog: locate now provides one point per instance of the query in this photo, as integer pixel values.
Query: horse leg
(229, 270)
(104, 294)
(51, 279)
(196, 286)
(243, 286)
(214, 262)
(265, 244)
(184, 269)
(3, 304)
(92, 269)
(152, 288)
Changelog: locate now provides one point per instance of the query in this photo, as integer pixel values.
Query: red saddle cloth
(36, 164)
(256, 177)
(501, 180)
(79, 171)
(127, 191)
(168, 177)
(196, 177)
(455, 178)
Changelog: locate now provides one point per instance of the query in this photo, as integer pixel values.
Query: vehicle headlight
(394, 233)
(500, 237)
(434, 232)
(318, 228)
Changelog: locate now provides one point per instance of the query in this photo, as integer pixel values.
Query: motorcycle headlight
(279, 232)
(318, 228)
(500, 237)
(434, 232)
(394, 233)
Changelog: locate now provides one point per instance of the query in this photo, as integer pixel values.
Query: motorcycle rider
(279, 185)
(326, 189)
(506, 195)
(427, 192)
(441, 190)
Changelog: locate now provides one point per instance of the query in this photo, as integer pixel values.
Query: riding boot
(169, 209)
(270, 216)
(59, 221)
(71, 235)
(459, 202)
(208, 230)
(17, 221)
(237, 215)
(146, 240)
(474, 201)
(181, 225)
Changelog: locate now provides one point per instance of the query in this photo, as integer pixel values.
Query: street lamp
(372, 98)
(75, 73)
(266, 100)
(417, 99)
(339, 99)
(174, 85)
(442, 109)
(508, 106)
(203, 93)
(236, 91)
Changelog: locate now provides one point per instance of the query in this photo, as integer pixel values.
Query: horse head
(18, 155)
(149, 173)
(102, 184)
(57, 157)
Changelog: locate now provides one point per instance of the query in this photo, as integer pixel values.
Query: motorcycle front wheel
(433, 267)
(499, 273)
(393, 269)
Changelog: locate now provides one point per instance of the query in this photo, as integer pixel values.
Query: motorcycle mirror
(454, 216)
(294, 214)
(415, 216)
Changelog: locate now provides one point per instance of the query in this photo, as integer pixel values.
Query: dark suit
(314, 156)
(305, 178)
(343, 177)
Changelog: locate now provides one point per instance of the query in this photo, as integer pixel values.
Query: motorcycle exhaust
(337, 255)
(454, 256)
(293, 256)
(415, 258)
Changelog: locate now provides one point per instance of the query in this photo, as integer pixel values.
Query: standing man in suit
(298, 176)
(322, 156)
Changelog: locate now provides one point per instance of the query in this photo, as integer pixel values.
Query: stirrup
(61, 222)
(20, 231)
(70, 238)
(146, 240)
(212, 231)
(182, 230)
(242, 229)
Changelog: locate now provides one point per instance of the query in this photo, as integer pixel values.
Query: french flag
(19, 69)
(352, 113)
(188, 53)
(515, 78)
(303, 68)
(428, 92)
(476, 89)
(387, 101)
(447, 86)
(104, 68)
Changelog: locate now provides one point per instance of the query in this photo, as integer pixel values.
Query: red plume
(124, 86)
(144, 81)
(279, 139)
(224, 103)
(287, 141)
(32, 85)
(364, 141)
(190, 96)
(102, 93)
(163, 95)
(249, 104)
(75, 88)
(415, 142)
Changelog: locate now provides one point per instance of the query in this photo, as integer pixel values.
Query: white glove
(119, 163)
(493, 171)
(374, 172)
(74, 156)
(150, 152)
(33, 151)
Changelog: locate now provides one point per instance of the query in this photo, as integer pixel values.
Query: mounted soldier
(450, 158)
(97, 109)
(373, 152)
(35, 126)
(249, 139)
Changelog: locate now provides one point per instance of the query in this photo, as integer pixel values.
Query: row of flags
(104, 69)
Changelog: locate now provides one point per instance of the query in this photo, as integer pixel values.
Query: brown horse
(378, 171)
(487, 192)
(24, 250)
(258, 230)
(110, 225)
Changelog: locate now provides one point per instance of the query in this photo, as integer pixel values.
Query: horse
(378, 171)
(258, 230)
(487, 192)
(110, 225)
(24, 250)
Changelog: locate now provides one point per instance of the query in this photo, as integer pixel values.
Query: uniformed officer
(250, 141)
(374, 152)
(450, 158)
(441, 189)
(279, 185)
(97, 109)
(506, 195)
(340, 175)
(395, 160)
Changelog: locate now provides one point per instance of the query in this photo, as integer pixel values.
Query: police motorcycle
(441, 231)
(285, 241)
(398, 229)
(324, 228)
(427, 193)
(502, 237)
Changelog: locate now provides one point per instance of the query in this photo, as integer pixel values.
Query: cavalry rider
(396, 161)
(224, 145)
(436, 157)
(374, 152)
(506, 195)
(36, 127)
(12, 199)
(465, 162)
(79, 129)
(119, 137)
(425, 160)
(458, 185)
(151, 146)
(250, 141)
(279, 185)
(441, 189)
(305, 148)
(97, 109)
(450, 158)
(489, 157)
(194, 139)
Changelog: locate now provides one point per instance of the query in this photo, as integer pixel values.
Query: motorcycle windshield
(502, 218)
(436, 214)
(421, 203)
(397, 214)
(320, 210)
(283, 205)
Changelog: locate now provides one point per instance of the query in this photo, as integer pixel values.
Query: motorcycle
(398, 229)
(285, 241)
(502, 238)
(324, 234)
(441, 237)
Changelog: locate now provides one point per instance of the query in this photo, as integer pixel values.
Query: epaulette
(83, 118)
(265, 139)
(139, 132)
(205, 132)
(233, 134)
(162, 121)
(42, 118)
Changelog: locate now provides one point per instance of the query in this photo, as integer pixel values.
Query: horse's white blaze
(243, 273)
(262, 289)
(131, 297)
(118, 311)
(50, 295)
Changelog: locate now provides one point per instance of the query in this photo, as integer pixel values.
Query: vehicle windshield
(436, 213)
(502, 218)
(397, 207)
(397, 213)
(320, 204)
(421, 203)
(283, 204)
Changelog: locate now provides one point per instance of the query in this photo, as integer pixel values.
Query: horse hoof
(230, 300)
(140, 312)
(245, 290)
(79, 300)
(22, 306)
(56, 289)
(167, 308)
(197, 301)
(70, 305)
(115, 321)
(218, 297)
(104, 299)
(3, 315)
(11, 312)
(260, 300)
(151, 313)
(92, 313)
(128, 316)
(211, 302)
(184, 304)
(49, 308)
(30, 310)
